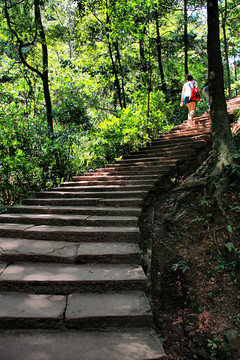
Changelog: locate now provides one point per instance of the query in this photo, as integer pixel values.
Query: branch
(26, 63)
(18, 3)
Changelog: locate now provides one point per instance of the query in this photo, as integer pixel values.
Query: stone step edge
(63, 279)
(74, 209)
(76, 310)
(26, 250)
(118, 345)
(69, 219)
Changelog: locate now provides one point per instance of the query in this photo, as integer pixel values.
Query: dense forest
(85, 82)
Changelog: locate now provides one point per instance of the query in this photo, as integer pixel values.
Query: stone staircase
(72, 285)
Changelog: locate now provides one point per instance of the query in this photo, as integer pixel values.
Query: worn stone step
(90, 194)
(162, 150)
(178, 147)
(124, 168)
(127, 202)
(158, 161)
(68, 220)
(169, 139)
(153, 159)
(99, 311)
(70, 233)
(78, 311)
(28, 311)
(93, 176)
(63, 279)
(103, 188)
(197, 125)
(63, 202)
(130, 344)
(122, 202)
(75, 210)
(108, 182)
(151, 170)
(27, 250)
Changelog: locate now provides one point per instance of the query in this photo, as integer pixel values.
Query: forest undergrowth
(196, 262)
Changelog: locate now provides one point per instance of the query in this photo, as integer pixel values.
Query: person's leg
(191, 110)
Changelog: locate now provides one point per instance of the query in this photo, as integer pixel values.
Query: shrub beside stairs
(72, 285)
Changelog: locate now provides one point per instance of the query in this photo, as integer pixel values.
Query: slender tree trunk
(235, 72)
(224, 17)
(222, 137)
(117, 84)
(121, 72)
(160, 64)
(143, 61)
(185, 37)
(44, 76)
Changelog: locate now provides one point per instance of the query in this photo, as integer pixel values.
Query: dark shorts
(187, 100)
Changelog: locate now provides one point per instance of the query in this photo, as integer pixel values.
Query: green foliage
(30, 161)
(229, 246)
(118, 135)
(181, 265)
(197, 219)
(236, 320)
(213, 345)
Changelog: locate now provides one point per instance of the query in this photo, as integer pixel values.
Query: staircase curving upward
(71, 282)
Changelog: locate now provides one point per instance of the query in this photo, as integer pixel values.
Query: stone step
(68, 220)
(70, 233)
(171, 140)
(62, 279)
(152, 158)
(190, 130)
(98, 311)
(103, 188)
(198, 126)
(147, 166)
(125, 344)
(93, 176)
(127, 202)
(27, 250)
(108, 182)
(76, 311)
(161, 161)
(153, 170)
(89, 194)
(75, 210)
(161, 150)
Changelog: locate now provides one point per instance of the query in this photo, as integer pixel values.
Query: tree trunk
(143, 61)
(121, 72)
(224, 18)
(160, 64)
(117, 84)
(185, 37)
(235, 72)
(44, 76)
(222, 137)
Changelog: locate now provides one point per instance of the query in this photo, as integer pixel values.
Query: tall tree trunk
(185, 37)
(224, 18)
(143, 60)
(235, 72)
(44, 75)
(222, 137)
(121, 73)
(160, 64)
(39, 32)
(117, 84)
